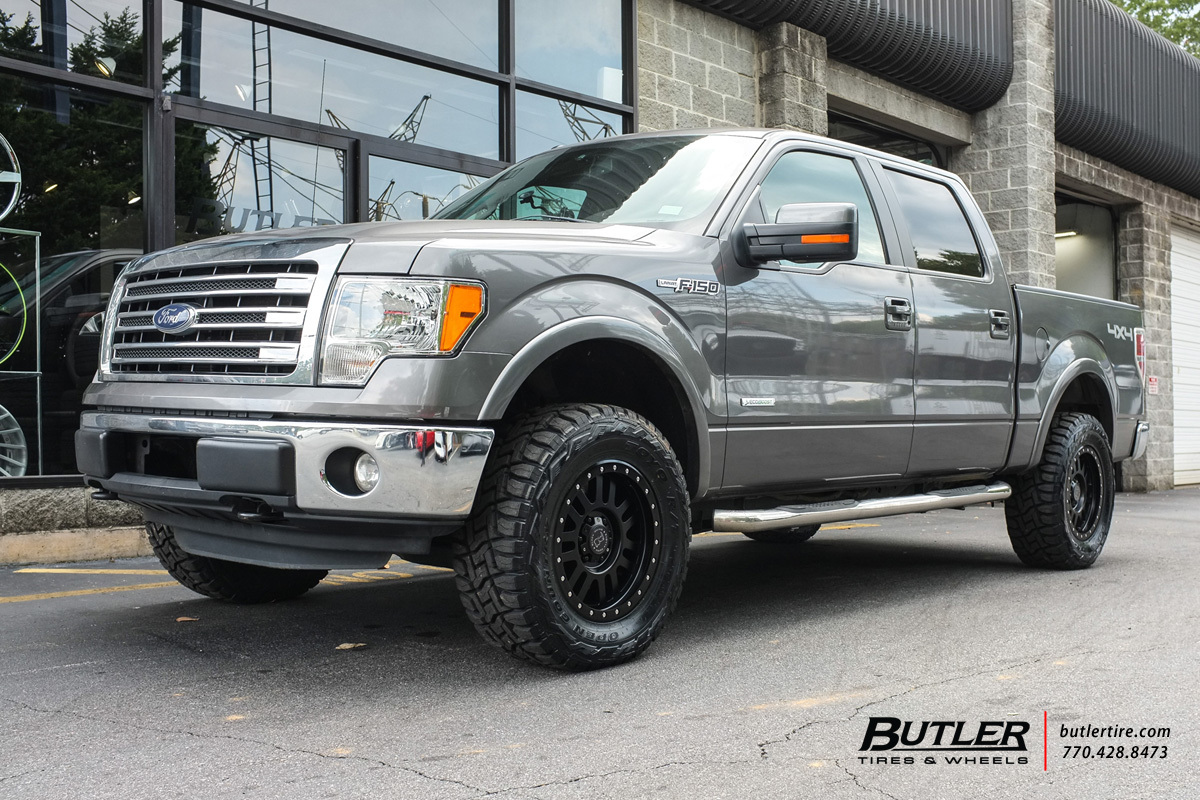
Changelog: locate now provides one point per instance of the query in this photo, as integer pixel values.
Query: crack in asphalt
(589, 776)
(787, 737)
(860, 784)
(21, 774)
(480, 791)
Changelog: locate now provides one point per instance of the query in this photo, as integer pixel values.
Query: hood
(381, 247)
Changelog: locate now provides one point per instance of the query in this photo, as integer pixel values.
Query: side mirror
(804, 232)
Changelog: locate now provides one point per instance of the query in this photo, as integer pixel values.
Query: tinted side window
(801, 177)
(940, 234)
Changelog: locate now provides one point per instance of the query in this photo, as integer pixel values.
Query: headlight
(370, 319)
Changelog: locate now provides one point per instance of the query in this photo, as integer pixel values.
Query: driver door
(820, 357)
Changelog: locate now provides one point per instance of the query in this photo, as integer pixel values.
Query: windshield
(663, 182)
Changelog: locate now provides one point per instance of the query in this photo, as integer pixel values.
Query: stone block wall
(1146, 212)
(1009, 166)
(792, 85)
(695, 69)
(27, 510)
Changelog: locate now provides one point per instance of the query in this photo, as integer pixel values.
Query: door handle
(897, 314)
(1001, 323)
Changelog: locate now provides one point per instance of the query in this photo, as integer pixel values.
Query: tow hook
(251, 511)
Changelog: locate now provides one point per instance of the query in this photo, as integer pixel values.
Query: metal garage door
(1185, 344)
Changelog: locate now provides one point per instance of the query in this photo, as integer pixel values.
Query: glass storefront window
(102, 38)
(461, 30)
(229, 181)
(239, 63)
(81, 170)
(583, 55)
(543, 123)
(81, 162)
(399, 190)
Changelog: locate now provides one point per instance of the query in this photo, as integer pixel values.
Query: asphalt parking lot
(115, 682)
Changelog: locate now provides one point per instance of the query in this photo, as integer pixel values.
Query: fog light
(366, 472)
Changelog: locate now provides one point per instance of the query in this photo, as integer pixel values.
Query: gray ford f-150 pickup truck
(583, 360)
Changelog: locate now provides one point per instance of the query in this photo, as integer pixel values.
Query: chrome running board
(845, 510)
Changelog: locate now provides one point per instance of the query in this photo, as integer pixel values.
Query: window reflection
(102, 38)
(229, 181)
(462, 30)
(803, 177)
(941, 238)
(583, 56)
(81, 163)
(249, 65)
(543, 123)
(402, 191)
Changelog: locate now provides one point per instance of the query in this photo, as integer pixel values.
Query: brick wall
(1146, 211)
(695, 69)
(25, 510)
(1009, 166)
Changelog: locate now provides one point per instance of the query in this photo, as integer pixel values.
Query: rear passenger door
(819, 378)
(965, 328)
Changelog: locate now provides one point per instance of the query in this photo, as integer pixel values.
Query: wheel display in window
(14, 455)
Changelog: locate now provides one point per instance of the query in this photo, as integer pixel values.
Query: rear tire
(795, 535)
(1060, 512)
(228, 580)
(577, 548)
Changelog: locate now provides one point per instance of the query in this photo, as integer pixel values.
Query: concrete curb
(80, 544)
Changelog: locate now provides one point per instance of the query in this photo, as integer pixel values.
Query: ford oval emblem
(175, 318)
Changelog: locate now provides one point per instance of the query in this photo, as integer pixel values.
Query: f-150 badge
(689, 286)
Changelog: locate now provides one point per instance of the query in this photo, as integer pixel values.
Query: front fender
(593, 328)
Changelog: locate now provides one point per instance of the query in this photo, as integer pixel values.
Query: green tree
(91, 154)
(1178, 20)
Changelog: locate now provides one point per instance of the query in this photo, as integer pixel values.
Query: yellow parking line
(78, 592)
(65, 571)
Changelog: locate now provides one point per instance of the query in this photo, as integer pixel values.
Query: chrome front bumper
(426, 472)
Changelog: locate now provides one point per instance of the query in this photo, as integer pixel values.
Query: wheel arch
(1084, 387)
(623, 361)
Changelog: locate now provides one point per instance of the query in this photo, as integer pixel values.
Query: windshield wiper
(557, 219)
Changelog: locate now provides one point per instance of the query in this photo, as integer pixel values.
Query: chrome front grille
(258, 304)
(250, 319)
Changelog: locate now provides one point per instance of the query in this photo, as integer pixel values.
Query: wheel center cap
(599, 538)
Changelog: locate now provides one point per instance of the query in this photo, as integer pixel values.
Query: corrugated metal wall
(958, 51)
(1126, 94)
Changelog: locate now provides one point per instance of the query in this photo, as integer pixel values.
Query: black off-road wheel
(794, 535)
(1060, 513)
(576, 550)
(228, 580)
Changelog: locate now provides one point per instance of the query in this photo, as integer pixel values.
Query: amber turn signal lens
(825, 238)
(464, 304)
